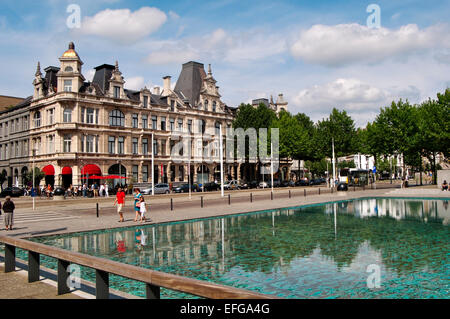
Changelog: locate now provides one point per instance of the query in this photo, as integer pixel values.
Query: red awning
(66, 171)
(49, 170)
(91, 169)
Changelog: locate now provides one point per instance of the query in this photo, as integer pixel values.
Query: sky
(319, 54)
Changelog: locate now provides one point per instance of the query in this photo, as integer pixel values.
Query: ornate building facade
(72, 128)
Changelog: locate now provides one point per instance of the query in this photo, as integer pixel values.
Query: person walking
(106, 190)
(8, 209)
(120, 202)
(142, 209)
(102, 189)
(137, 198)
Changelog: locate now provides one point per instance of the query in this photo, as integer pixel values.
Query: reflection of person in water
(120, 244)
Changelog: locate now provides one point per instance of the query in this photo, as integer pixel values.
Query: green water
(319, 251)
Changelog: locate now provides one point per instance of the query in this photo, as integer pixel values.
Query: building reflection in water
(343, 234)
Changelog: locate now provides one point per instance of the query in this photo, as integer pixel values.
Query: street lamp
(33, 192)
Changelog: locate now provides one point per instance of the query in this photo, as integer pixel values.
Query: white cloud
(123, 25)
(345, 44)
(219, 45)
(173, 15)
(137, 83)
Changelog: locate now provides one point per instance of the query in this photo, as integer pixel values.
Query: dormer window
(214, 106)
(68, 69)
(145, 101)
(117, 92)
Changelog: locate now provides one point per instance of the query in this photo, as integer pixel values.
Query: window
(145, 173)
(214, 105)
(111, 144)
(206, 105)
(134, 121)
(68, 69)
(67, 143)
(217, 128)
(144, 121)
(199, 147)
(67, 85)
(24, 123)
(172, 106)
(83, 111)
(145, 146)
(172, 125)
(202, 126)
(17, 149)
(163, 147)
(90, 116)
(135, 170)
(189, 126)
(117, 92)
(90, 144)
(36, 118)
(163, 123)
(67, 116)
(135, 146)
(180, 125)
(155, 147)
(145, 101)
(116, 118)
(121, 145)
(154, 122)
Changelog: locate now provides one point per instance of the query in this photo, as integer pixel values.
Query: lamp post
(33, 193)
(221, 160)
(153, 167)
(271, 165)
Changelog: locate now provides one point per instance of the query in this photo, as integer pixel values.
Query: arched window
(37, 119)
(116, 118)
(68, 69)
(206, 105)
(214, 105)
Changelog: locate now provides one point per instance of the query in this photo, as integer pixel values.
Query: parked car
(231, 185)
(263, 184)
(211, 187)
(147, 190)
(12, 191)
(287, 184)
(302, 182)
(184, 188)
(316, 181)
(161, 189)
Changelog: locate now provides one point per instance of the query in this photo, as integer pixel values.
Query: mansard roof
(190, 82)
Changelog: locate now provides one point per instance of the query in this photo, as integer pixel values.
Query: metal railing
(153, 280)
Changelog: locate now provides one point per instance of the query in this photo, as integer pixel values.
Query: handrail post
(10, 258)
(152, 291)
(33, 266)
(63, 277)
(101, 284)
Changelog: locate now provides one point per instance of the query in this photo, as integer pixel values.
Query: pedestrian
(8, 209)
(49, 190)
(102, 188)
(84, 190)
(106, 190)
(120, 201)
(142, 209)
(137, 197)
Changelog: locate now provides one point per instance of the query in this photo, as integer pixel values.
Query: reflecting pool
(368, 248)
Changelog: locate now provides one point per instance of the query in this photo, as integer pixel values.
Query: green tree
(38, 176)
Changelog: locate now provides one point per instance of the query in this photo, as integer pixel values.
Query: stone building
(74, 129)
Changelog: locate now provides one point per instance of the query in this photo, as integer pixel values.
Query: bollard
(304, 191)
(271, 195)
(171, 204)
(319, 190)
(289, 193)
(201, 201)
(251, 197)
(97, 210)
(229, 199)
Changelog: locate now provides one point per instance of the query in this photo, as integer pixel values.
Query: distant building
(277, 106)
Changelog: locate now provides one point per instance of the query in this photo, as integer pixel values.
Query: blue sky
(319, 54)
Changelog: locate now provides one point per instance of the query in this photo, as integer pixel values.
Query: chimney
(166, 88)
(157, 90)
